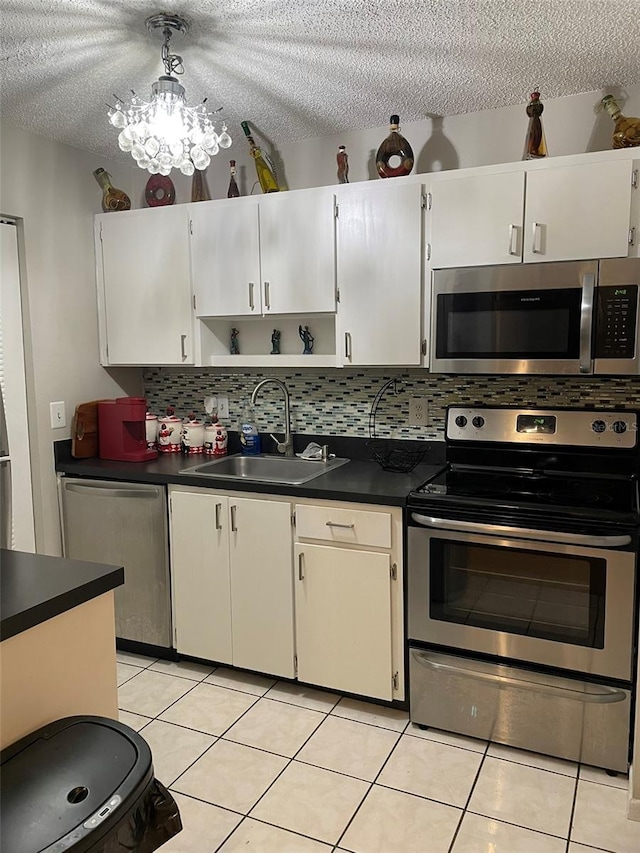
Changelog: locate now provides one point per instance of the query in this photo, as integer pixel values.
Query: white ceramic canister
(192, 436)
(220, 440)
(209, 439)
(169, 434)
(151, 427)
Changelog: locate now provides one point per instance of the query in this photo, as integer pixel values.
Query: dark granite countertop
(34, 588)
(362, 480)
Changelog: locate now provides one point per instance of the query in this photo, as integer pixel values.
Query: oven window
(509, 324)
(536, 594)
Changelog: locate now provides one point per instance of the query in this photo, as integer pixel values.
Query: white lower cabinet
(232, 579)
(348, 594)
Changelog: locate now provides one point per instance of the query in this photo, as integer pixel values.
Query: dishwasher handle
(143, 492)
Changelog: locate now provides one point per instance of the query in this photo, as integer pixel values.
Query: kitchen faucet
(285, 446)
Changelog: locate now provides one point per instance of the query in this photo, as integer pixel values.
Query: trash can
(83, 784)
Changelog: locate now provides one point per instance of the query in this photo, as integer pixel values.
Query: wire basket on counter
(392, 454)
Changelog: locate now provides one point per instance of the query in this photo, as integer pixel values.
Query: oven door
(535, 319)
(523, 596)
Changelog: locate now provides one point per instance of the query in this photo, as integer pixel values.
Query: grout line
(466, 805)
(518, 825)
(573, 809)
(535, 767)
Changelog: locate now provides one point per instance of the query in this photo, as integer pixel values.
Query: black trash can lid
(56, 780)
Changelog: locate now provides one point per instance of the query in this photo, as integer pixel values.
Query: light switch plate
(418, 411)
(58, 415)
(223, 407)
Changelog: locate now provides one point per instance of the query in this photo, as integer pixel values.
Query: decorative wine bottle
(535, 145)
(264, 167)
(233, 191)
(342, 159)
(395, 155)
(626, 131)
(199, 188)
(112, 198)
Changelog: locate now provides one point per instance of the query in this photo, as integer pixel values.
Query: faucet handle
(280, 445)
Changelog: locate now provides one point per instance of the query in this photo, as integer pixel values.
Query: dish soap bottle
(249, 435)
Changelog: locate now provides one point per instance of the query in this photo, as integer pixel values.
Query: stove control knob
(461, 421)
(478, 421)
(619, 426)
(598, 426)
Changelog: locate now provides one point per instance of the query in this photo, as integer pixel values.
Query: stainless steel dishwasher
(124, 524)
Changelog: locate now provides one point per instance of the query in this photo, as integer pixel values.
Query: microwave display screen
(509, 324)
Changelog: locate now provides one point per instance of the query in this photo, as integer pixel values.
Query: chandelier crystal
(165, 133)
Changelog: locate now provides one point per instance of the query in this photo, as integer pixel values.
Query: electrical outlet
(223, 407)
(58, 415)
(418, 411)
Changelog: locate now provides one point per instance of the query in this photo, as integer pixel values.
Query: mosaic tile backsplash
(337, 402)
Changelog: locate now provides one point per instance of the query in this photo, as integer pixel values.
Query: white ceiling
(298, 69)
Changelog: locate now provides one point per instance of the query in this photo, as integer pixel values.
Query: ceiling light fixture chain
(164, 132)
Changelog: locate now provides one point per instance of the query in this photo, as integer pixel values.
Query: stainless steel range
(522, 581)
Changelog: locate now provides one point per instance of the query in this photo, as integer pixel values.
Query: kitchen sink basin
(265, 468)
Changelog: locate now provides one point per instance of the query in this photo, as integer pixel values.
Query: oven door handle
(521, 532)
(597, 694)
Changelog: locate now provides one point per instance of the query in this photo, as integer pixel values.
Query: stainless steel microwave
(556, 318)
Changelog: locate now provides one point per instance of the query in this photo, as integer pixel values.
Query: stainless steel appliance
(124, 524)
(522, 581)
(557, 318)
(5, 481)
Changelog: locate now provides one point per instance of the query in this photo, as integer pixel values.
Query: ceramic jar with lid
(151, 427)
(215, 441)
(192, 436)
(169, 433)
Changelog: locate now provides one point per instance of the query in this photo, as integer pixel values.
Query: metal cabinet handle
(251, 302)
(537, 238)
(183, 351)
(513, 240)
(335, 524)
(234, 526)
(597, 694)
(267, 295)
(218, 510)
(347, 345)
(301, 566)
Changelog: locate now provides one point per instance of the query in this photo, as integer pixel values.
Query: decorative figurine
(343, 165)
(235, 347)
(535, 145)
(275, 342)
(307, 339)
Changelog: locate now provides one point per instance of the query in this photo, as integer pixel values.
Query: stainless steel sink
(265, 468)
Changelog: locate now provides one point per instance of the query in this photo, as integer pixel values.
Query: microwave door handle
(586, 321)
(521, 532)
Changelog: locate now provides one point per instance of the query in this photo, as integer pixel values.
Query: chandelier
(164, 132)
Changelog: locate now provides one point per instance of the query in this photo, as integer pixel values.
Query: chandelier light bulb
(164, 132)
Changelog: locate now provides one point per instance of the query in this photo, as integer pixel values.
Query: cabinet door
(200, 575)
(477, 220)
(261, 585)
(343, 619)
(379, 270)
(297, 245)
(578, 212)
(143, 276)
(225, 258)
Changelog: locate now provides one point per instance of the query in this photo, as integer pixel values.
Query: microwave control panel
(616, 323)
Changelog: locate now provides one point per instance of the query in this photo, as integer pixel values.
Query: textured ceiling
(308, 68)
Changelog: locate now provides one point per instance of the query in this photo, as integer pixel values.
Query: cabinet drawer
(337, 524)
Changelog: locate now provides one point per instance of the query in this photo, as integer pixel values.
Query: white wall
(51, 188)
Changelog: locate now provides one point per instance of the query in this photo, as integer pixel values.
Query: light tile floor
(272, 767)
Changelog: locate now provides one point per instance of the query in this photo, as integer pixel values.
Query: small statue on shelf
(343, 165)
(235, 347)
(307, 339)
(275, 342)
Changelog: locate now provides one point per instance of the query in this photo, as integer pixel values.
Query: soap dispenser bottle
(249, 435)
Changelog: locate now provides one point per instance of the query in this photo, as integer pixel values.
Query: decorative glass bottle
(342, 159)
(395, 155)
(535, 145)
(626, 131)
(112, 198)
(199, 188)
(264, 167)
(233, 191)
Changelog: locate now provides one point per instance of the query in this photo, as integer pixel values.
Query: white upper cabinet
(476, 220)
(225, 258)
(297, 251)
(273, 255)
(144, 294)
(578, 212)
(379, 273)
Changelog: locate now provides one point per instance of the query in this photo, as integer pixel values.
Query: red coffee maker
(122, 430)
